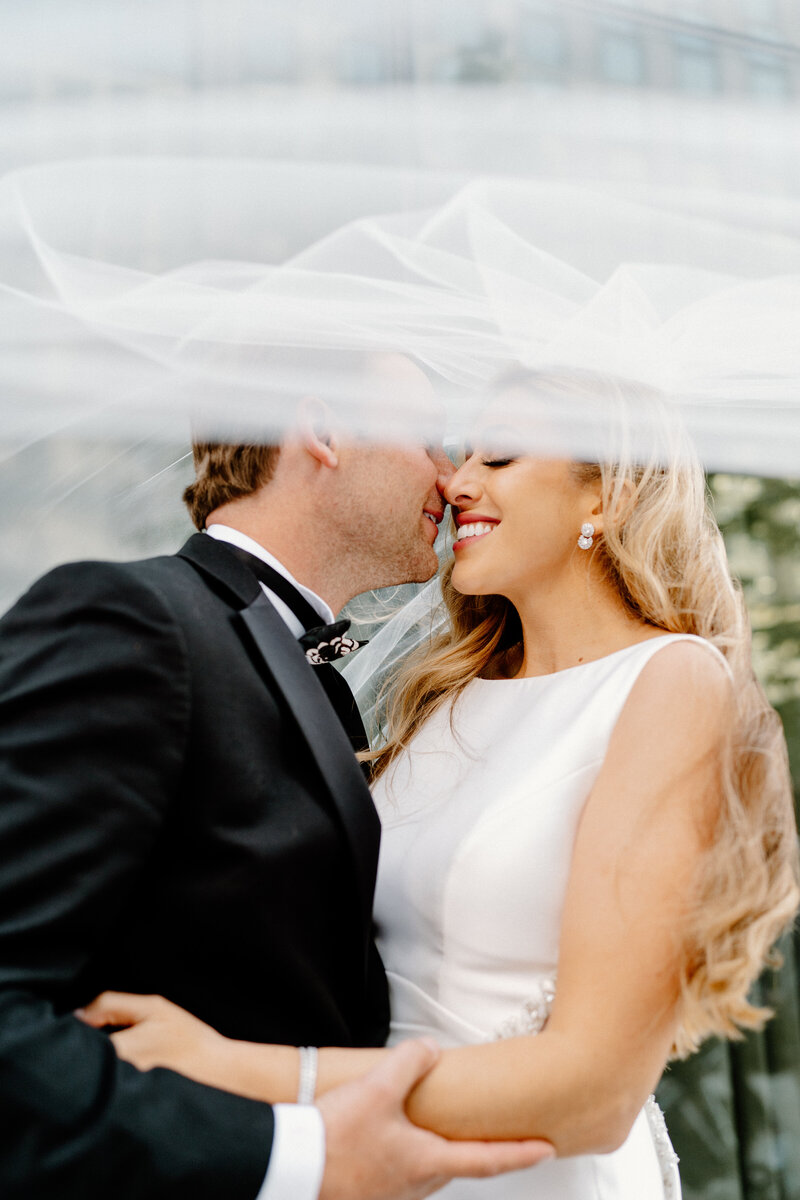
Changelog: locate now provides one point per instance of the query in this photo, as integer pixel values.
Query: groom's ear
(316, 431)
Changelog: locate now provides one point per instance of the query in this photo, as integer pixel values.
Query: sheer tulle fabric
(158, 293)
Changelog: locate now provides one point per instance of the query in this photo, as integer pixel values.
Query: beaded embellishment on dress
(533, 1015)
(667, 1158)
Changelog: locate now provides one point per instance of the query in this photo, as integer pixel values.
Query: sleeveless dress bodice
(480, 815)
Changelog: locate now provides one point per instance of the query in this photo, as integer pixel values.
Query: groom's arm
(94, 705)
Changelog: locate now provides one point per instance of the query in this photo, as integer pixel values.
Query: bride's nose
(462, 487)
(445, 468)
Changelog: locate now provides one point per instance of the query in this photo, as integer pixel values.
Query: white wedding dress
(479, 824)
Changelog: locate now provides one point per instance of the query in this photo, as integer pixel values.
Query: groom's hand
(373, 1152)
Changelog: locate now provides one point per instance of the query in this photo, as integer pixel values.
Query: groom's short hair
(225, 472)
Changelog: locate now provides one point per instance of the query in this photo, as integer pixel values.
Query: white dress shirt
(224, 533)
(297, 1161)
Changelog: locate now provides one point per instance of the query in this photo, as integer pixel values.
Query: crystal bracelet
(307, 1085)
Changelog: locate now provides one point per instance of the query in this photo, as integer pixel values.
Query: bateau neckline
(592, 662)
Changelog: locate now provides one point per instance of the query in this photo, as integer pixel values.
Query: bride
(589, 843)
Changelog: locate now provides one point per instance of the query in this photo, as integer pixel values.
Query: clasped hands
(373, 1151)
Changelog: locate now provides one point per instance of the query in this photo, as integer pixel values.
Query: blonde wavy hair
(663, 551)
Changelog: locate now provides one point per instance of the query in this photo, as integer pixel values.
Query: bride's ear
(619, 505)
(316, 431)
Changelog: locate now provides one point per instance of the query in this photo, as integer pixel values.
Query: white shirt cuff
(297, 1161)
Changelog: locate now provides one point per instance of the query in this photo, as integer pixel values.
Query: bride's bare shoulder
(684, 692)
(694, 659)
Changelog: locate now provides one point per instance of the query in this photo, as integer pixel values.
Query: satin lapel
(320, 726)
(323, 731)
(219, 566)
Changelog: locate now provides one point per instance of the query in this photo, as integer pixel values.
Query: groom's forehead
(393, 369)
(397, 386)
(395, 402)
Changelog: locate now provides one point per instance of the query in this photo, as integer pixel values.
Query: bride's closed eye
(497, 462)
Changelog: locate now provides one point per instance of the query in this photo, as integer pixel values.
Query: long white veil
(102, 320)
(198, 228)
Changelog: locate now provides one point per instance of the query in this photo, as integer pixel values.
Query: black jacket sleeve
(94, 709)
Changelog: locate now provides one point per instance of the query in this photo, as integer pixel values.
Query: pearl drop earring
(585, 540)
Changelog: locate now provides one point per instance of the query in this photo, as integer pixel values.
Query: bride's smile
(518, 521)
(472, 526)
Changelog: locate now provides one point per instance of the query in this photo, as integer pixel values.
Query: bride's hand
(158, 1033)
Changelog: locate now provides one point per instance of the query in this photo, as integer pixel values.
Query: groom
(181, 812)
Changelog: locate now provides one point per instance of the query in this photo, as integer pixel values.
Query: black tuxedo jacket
(180, 813)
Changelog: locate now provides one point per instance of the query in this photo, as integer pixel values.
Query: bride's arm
(582, 1080)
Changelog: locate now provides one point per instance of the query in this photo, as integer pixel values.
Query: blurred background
(689, 97)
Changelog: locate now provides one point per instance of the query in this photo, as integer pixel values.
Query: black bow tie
(324, 643)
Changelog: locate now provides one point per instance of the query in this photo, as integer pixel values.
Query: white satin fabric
(479, 824)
